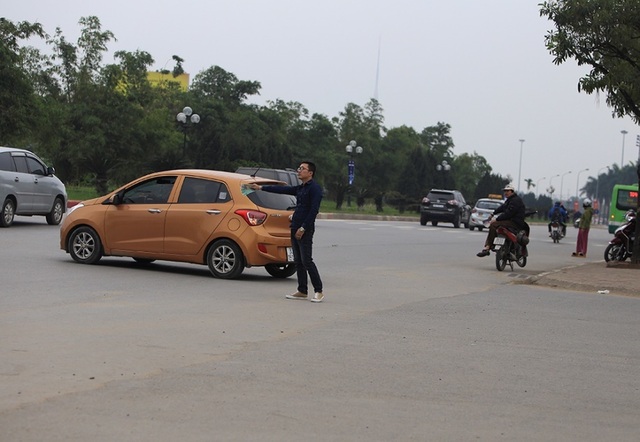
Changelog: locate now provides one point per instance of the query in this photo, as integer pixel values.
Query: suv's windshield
(488, 204)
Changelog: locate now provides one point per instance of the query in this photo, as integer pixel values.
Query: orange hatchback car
(195, 216)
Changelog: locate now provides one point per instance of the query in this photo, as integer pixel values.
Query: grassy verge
(329, 206)
(81, 193)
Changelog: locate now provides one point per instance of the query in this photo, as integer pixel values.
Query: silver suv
(29, 187)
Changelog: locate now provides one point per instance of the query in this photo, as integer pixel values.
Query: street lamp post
(185, 118)
(520, 166)
(444, 167)
(578, 183)
(561, 182)
(551, 189)
(624, 133)
(598, 189)
(537, 183)
(351, 148)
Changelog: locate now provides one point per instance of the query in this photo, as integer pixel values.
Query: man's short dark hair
(311, 166)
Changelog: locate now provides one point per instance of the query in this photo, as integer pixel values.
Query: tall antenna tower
(375, 91)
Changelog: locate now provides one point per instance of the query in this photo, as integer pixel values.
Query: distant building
(161, 79)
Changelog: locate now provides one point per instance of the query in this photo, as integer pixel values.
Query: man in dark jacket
(308, 196)
(510, 214)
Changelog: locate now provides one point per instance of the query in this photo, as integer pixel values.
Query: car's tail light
(252, 217)
(474, 210)
(452, 202)
(425, 200)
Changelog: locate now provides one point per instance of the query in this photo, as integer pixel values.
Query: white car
(29, 187)
(482, 211)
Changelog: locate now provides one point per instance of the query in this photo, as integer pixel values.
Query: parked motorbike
(510, 245)
(556, 231)
(621, 246)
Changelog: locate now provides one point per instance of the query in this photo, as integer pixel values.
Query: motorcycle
(621, 246)
(510, 245)
(556, 231)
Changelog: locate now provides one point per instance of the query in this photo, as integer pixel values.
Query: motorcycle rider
(558, 214)
(510, 214)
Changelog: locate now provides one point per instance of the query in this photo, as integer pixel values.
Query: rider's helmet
(557, 204)
(586, 202)
(630, 215)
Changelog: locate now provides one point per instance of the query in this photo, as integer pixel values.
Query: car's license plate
(290, 254)
(438, 206)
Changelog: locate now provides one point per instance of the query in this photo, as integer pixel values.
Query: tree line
(104, 124)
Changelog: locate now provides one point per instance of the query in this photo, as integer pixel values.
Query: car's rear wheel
(225, 259)
(434, 223)
(480, 229)
(456, 222)
(280, 270)
(55, 216)
(423, 220)
(85, 246)
(471, 228)
(8, 213)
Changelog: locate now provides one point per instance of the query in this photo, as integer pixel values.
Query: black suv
(289, 176)
(445, 205)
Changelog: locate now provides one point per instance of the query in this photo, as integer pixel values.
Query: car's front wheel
(55, 216)
(280, 270)
(85, 246)
(8, 213)
(225, 259)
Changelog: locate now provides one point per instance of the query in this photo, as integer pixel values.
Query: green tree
(468, 170)
(604, 35)
(17, 99)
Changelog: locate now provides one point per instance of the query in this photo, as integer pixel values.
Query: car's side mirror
(51, 170)
(116, 199)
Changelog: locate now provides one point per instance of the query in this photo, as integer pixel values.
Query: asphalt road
(418, 339)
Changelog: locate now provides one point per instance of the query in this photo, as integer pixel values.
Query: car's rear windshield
(268, 200)
(440, 196)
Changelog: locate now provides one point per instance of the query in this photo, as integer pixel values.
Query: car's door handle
(213, 212)
(155, 210)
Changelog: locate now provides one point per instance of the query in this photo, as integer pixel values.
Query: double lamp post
(186, 118)
(351, 148)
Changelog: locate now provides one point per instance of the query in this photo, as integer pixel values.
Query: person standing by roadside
(309, 196)
(583, 230)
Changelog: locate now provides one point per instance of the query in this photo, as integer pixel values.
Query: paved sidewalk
(617, 278)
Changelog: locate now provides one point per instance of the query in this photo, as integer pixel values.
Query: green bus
(623, 198)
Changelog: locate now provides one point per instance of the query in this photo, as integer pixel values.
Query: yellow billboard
(161, 79)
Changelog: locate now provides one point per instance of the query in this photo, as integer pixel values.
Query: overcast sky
(480, 66)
